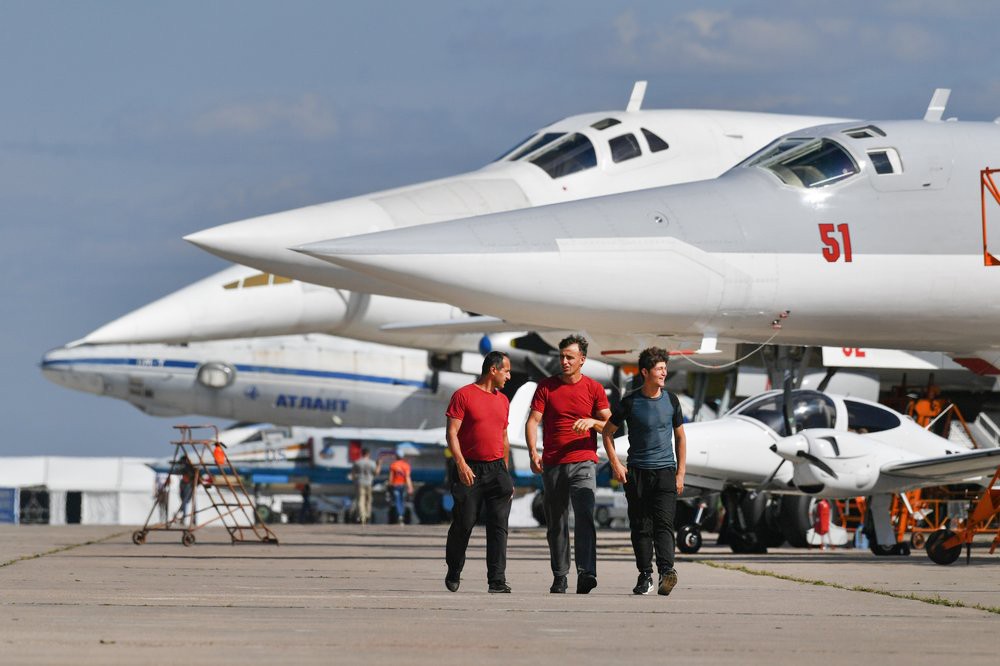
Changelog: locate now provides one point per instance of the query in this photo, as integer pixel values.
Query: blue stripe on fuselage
(252, 369)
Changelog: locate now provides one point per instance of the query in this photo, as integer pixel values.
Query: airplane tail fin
(520, 407)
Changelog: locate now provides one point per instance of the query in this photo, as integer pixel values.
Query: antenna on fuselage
(935, 110)
(638, 93)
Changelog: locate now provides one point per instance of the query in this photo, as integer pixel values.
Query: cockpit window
(605, 123)
(885, 160)
(656, 144)
(810, 409)
(532, 146)
(813, 164)
(624, 147)
(568, 155)
(862, 418)
(866, 132)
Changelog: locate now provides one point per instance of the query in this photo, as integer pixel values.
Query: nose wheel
(689, 539)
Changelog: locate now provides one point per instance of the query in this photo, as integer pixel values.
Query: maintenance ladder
(229, 502)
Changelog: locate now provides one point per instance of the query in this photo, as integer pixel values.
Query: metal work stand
(206, 463)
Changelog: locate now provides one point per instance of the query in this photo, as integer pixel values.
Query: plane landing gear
(897, 549)
(750, 525)
(689, 539)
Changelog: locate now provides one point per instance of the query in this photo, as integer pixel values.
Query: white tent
(113, 491)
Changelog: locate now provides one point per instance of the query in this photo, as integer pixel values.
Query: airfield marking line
(61, 549)
(935, 600)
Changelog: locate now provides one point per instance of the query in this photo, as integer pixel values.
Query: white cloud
(306, 116)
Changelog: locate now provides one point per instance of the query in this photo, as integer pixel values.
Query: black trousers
(494, 487)
(652, 501)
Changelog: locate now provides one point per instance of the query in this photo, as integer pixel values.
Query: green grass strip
(61, 549)
(935, 600)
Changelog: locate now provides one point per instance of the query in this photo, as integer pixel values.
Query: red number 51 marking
(832, 246)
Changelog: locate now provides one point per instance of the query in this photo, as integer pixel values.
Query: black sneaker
(452, 581)
(499, 588)
(585, 583)
(644, 585)
(558, 585)
(667, 581)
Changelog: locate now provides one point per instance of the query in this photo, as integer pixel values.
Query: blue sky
(125, 125)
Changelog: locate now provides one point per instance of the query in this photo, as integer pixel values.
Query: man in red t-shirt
(477, 438)
(571, 408)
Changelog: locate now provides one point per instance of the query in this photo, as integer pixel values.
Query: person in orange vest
(928, 408)
(400, 485)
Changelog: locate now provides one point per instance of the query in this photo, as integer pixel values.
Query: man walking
(655, 473)
(363, 472)
(570, 407)
(400, 485)
(477, 439)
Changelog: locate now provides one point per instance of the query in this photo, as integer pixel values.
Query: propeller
(791, 448)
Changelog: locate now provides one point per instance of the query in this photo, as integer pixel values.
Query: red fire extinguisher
(822, 523)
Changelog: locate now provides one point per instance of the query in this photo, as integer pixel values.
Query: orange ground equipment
(202, 463)
(944, 546)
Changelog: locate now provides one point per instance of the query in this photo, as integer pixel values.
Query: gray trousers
(576, 483)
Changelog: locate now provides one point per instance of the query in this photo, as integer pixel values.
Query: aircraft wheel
(936, 550)
(188, 538)
(139, 537)
(427, 503)
(689, 539)
(917, 540)
(538, 508)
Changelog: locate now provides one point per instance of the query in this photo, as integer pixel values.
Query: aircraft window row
(813, 164)
(570, 154)
(257, 280)
(656, 144)
(862, 417)
(606, 123)
(866, 132)
(624, 147)
(810, 409)
(885, 160)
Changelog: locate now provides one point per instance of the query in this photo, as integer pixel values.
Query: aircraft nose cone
(58, 366)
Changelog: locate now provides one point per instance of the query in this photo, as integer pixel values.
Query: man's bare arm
(617, 468)
(531, 437)
(680, 447)
(465, 474)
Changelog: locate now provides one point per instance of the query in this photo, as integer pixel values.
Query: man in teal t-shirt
(655, 473)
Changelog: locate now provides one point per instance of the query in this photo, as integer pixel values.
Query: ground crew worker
(570, 407)
(400, 485)
(477, 438)
(363, 472)
(655, 473)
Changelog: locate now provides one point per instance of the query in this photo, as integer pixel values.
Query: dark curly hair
(650, 356)
(574, 339)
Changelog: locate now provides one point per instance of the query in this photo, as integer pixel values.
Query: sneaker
(644, 585)
(499, 588)
(558, 585)
(667, 581)
(452, 581)
(585, 583)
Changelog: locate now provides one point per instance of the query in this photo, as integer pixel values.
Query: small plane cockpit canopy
(863, 418)
(568, 155)
(810, 409)
(805, 162)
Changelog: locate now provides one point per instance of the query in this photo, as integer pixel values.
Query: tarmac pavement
(348, 594)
